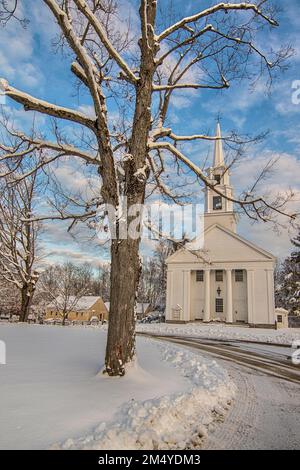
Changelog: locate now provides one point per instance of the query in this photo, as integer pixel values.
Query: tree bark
(25, 304)
(64, 317)
(125, 262)
(125, 269)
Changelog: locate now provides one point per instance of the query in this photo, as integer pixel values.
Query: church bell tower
(219, 210)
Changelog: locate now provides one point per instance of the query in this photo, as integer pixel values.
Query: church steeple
(219, 210)
(218, 153)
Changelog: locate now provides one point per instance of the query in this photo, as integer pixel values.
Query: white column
(186, 295)
(208, 199)
(270, 296)
(206, 295)
(250, 295)
(229, 316)
(169, 300)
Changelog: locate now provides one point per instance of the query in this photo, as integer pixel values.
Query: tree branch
(31, 103)
(241, 202)
(189, 85)
(209, 11)
(37, 144)
(85, 10)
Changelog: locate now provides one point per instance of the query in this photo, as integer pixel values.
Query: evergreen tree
(287, 292)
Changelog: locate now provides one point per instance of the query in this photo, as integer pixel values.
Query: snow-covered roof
(281, 310)
(83, 303)
(140, 307)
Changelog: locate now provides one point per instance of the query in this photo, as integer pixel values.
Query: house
(85, 309)
(141, 309)
(234, 281)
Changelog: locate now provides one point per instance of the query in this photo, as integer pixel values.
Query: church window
(199, 276)
(279, 318)
(217, 203)
(239, 275)
(219, 305)
(217, 178)
(219, 275)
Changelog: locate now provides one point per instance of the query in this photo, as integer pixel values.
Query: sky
(29, 62)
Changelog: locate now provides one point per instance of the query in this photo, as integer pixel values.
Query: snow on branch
(163, 132)
(31, 103)
(210, 11)
(259, 204)
(82, 56)
(185, 42)
(33, 144)
(91, 17)
(63, 216)
(195, 86)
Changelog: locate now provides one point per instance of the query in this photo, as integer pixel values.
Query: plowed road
(266, 411)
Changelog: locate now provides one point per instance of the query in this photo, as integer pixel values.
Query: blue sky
(28, 62)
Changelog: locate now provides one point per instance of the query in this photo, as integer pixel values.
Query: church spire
(219, 209)
(218, 153)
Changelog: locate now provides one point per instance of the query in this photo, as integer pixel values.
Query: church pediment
(223, 245)
(182, 256)
(220, 244)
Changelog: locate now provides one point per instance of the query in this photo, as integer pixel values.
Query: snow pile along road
(223, 332)
(177, 421)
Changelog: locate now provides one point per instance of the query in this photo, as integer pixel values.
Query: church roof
(223, 245)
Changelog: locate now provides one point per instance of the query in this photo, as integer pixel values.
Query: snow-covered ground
(224, 332)
(53, 393)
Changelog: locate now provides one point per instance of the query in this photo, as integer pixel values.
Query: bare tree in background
(64, 285)
(153, 280)
(10, 300)
(103, 282)
(140, 72)
(19, 235)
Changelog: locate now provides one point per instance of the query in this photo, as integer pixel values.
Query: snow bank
(176, 421)
(52, 388)
(222, 331)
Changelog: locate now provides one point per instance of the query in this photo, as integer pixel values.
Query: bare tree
(141, 71)
(19, 235)
(64, 285)
(153, 280)
(103, 281)
(10, 301)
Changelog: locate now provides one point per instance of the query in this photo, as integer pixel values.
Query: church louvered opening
(217, 203)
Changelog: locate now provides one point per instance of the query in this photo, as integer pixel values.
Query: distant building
(88, 308)
(141, 309)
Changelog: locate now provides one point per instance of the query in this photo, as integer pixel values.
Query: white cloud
(17, 55)
(284, 176)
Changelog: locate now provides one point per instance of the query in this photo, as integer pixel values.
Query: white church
(235, 281)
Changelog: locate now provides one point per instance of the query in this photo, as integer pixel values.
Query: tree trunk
(125, 270)
(25, 304)
(125, 262)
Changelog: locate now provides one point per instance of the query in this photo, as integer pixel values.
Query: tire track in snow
(240, 419)
(265, 413)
